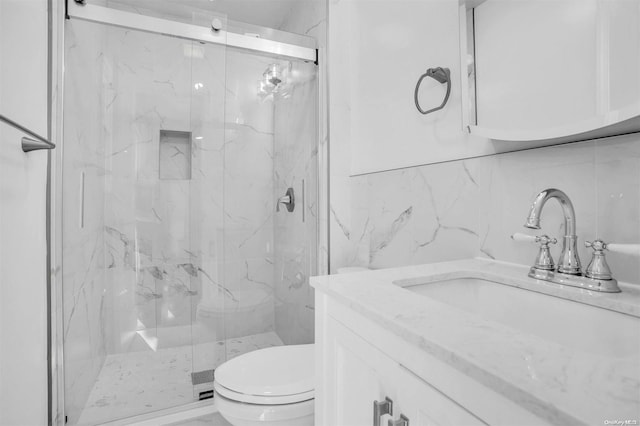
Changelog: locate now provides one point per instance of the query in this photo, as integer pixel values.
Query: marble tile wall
(301, 122)
(196, 245)
(469, 208)
(249, 204)
(296, 233)
(158, 253)
(150, 262)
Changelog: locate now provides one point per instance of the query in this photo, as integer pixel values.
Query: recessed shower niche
(175, 155)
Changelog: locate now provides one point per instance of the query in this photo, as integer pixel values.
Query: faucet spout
(533, 220)
(569, 261)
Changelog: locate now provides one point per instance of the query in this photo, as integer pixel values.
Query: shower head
(272, 74)
(275, 80)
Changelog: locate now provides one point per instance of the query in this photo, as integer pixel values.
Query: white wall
(23, 304)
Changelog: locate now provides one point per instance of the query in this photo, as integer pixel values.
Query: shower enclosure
(175, 258)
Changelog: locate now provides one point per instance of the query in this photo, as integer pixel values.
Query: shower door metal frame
(105, 15)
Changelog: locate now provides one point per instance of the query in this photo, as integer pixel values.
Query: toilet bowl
(272, 386)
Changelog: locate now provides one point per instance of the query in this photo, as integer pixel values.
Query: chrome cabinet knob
(402, 421)
(380, 408)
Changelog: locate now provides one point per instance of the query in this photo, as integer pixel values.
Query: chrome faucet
(569, 262)
(597, 276)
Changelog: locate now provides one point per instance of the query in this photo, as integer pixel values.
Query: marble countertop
(558, 383)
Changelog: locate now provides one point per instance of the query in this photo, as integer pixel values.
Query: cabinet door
(424, 405)
(356, 376)
(556, 69)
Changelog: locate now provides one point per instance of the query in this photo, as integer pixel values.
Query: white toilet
(272, 386)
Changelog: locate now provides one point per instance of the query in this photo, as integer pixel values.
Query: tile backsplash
(469, 208)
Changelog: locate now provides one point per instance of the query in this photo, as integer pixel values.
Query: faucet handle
(524, 238)
(598, 268)
(631, 249)
(544, 261)
(596, 244)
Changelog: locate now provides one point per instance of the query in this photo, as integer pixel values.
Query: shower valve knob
(216, 24)
(287, 200)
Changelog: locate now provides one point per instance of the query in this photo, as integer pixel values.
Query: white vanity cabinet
(445, 364)
(352, 374)
(358, 361)
(358, 374)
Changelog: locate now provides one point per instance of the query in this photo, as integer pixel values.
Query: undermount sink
(572, 324)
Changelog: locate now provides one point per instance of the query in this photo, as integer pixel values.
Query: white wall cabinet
(548, 72)
(566, 70)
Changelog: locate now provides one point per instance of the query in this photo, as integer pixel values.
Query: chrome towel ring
(441, 75)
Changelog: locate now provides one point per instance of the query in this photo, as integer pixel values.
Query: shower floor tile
(135, 383)
(214, 419)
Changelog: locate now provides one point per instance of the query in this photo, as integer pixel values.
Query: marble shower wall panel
(86, 294)
(310, 18)
(147, 219)
(469, 208)
(248, 192)
(295, 163)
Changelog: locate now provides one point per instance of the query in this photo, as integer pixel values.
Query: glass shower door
(296, 167)
(143, 134)
(269, 252)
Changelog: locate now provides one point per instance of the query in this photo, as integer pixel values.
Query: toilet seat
(271, 376)
(260, 399)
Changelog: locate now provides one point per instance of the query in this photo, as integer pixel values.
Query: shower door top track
(135, 21)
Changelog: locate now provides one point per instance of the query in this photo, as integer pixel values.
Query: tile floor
(135, 383)
(214, 419)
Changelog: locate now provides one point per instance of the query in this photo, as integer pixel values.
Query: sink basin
(568, 323)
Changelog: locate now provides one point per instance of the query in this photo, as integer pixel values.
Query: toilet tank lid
(276, 371)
